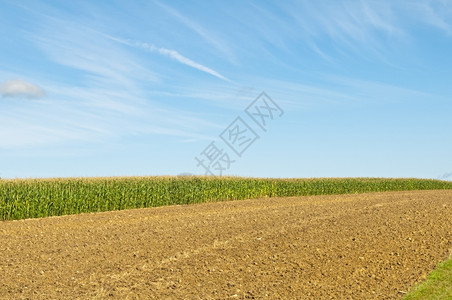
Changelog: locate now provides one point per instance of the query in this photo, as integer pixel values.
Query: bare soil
(366, 246)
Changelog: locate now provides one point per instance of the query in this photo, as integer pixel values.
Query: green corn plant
(34, 198)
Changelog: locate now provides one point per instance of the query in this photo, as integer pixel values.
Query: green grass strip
(438, 285)
(35, 198)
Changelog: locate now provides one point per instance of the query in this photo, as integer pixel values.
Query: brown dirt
(368, 246)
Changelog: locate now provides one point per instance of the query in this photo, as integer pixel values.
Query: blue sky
(119, 88)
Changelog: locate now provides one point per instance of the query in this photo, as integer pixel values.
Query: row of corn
(35, 198)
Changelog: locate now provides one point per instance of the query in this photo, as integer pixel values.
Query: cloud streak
(210, 38)
(19, 88)
(172, 54)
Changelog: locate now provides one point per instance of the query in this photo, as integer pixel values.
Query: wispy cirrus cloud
(83, 49)
(172, 54)
(209, 37)
(434, 13)
(21, 88)
(348, 26)
(107, 96)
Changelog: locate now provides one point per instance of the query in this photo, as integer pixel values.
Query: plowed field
(366, 246)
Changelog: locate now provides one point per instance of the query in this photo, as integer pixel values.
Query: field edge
(438, 284)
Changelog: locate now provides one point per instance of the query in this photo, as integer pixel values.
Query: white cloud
(111, 96)
(186, 61)
(173, 54)
(81, 48)
(210, 38)
(435, 15)
(20, 88)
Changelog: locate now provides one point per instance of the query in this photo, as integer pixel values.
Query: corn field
(36, 198)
